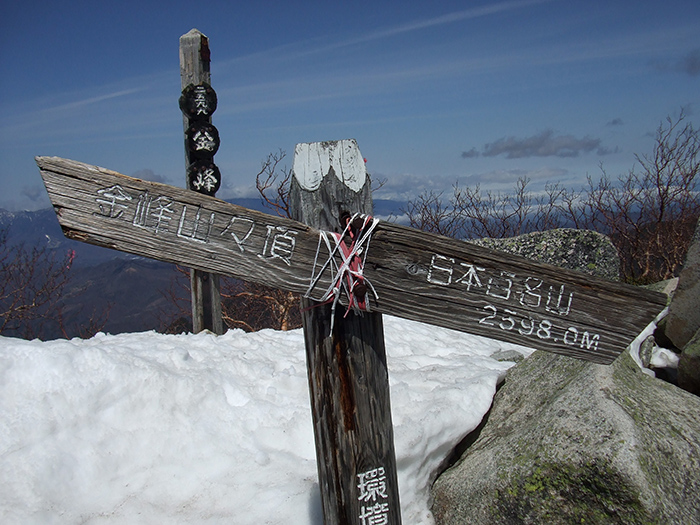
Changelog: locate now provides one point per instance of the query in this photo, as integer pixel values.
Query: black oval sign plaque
(202, 140)
(198, 102)
(204, 177)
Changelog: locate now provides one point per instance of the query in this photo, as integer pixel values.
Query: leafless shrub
(471, 213)
(247, 306)
(648, 213)
(179, 297)
(33, 283)
(272, 182)
(253, 307)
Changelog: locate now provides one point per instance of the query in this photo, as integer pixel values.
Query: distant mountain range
(134, 290)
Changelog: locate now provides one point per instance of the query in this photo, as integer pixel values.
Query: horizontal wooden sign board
(417, 275)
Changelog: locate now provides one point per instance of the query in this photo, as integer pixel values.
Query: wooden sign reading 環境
(416, 275)
(345, 352)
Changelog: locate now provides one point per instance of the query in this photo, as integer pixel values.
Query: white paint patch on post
(313, 161)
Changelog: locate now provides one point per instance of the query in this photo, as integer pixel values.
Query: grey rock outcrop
(582, 250)
(682, 326)
(689, 366)
(568, 441)
(684, 311)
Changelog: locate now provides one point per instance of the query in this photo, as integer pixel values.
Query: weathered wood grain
(419, 276)
(204, 286)
(194, 58)
(348, 377)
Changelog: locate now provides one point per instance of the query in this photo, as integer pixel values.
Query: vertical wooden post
(204, 286)
(348, 378)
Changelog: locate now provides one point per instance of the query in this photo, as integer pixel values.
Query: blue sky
(434, 92)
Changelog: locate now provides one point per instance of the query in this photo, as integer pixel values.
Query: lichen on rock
(568, 440)
(582, 250)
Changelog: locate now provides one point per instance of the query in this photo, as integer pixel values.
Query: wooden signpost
(404, 272)
(345, 354)
(349, 268)
(416, 275)
(198, 103)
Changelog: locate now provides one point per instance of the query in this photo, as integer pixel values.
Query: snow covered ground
(150, 428)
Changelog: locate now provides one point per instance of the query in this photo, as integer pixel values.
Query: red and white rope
(346, 264)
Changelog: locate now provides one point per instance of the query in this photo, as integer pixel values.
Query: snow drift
(151, 428)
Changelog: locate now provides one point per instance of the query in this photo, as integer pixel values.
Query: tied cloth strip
(347, 278)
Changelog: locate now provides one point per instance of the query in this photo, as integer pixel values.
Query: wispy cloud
(544, 144)
(94, 99)
(449, 18)
(33, 193)
(298, 89)
(91, 112)
(632, 43)
(508, 178)
(295, 50)
(471, 154)
(408, 186)
(688, 64)
(149, 174)
(296, 81)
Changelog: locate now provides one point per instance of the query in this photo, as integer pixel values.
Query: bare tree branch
(649, 213)
(272, 182)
